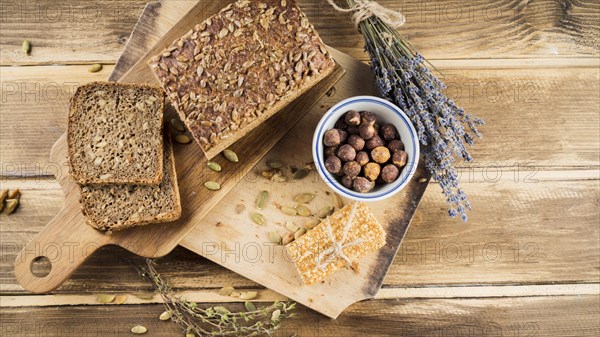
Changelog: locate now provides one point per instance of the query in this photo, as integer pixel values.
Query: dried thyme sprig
(444, 129)
(218, 320)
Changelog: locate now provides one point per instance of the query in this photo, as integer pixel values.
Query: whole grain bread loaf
(117, 207)
(239, 67)
(115, 134)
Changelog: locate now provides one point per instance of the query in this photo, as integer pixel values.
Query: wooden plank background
(528, 256)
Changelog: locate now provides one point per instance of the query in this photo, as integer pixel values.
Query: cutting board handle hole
(41, 266)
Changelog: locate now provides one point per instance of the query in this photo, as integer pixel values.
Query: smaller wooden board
(230, 238)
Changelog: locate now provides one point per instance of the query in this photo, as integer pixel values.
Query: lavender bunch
(444, 129)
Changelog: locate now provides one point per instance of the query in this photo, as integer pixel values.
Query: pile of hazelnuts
(363, 153)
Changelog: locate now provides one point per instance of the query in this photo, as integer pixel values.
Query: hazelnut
(333, 164)
(356, 142)
(343, 135)
(362, 158)
(395, 146)
(374, 142)
(347, 181)
(390, 173)
(346, 153)
(400, 159)
(353, 130)
(368, 117)
(341, 124)
(372, 171)
(352, 169)
(330, 151)
(352, 118)
(366, 131)
(380, 154)
(332, 138)
(362, 185)
(388, 132)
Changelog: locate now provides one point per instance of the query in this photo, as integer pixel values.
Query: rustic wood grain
(479, 42)
(523, 221)
(509, 316)
(148, 30)
(552, 110)
(69, 32)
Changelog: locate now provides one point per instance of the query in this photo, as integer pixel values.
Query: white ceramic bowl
(386, 113)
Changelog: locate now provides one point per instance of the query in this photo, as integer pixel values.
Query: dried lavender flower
(443, 128)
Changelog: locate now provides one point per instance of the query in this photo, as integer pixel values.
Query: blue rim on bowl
(318, 155)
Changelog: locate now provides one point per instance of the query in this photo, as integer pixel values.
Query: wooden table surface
(526, 264)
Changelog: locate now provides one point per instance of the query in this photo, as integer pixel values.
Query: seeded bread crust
(239, 67)
(117, 207)
(114, 134)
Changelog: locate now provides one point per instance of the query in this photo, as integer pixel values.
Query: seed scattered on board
(212, 185)
(231, 156)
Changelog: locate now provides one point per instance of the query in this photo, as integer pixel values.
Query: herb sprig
(218, 320)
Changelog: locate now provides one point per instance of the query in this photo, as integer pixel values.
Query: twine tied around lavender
(364, 9)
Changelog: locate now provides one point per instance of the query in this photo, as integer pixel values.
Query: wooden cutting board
(67, 241)
(229, 237)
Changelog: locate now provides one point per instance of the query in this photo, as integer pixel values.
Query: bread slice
(115, 134)
(117, 207)
(239, 67)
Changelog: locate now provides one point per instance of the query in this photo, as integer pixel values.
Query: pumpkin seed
(299, 233)
(291, 226)
(303, 210)
(26, 47)
(275, 315)
(190, 334)
(274, 237)
(250, 306)
(105, 298)
(212, 185)
(301, 173)
(287, 238)
(183, 139)
(325, 212)
(226, 290)
(166, 315)
(289, 211)
(258, 218)
(214, 166)
(177, 125)
(248, 295)
(274, 164)
(231, 156)
(423, 180)
(94, 68)
(312, 224)
(262, 199)
(3, 195)
(337, 201)
(120, 299)
(304, 198)
(14, 194)
(139, 330)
